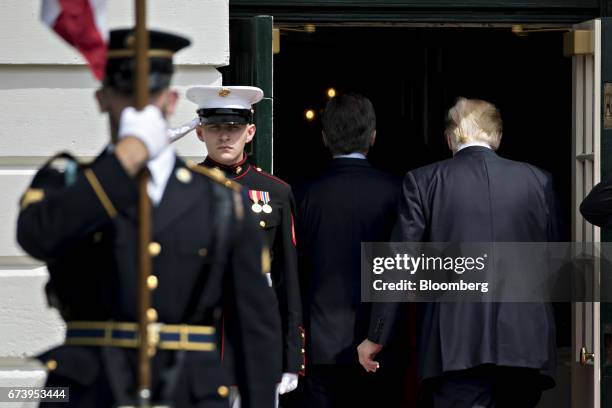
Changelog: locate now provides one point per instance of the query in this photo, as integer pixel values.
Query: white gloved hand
(148, 125)
(176, 133)
(288, 383)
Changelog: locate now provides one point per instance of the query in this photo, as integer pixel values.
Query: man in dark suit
(206, 250)
(352, 202)
(476, 354)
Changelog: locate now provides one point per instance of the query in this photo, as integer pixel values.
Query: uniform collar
(232, 171)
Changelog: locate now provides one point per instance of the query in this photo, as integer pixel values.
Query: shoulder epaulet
(64, 163)
(61, 161)
(215, 175)
(270, 176)
(62, 166)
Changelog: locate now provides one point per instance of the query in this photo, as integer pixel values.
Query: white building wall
(46, 105)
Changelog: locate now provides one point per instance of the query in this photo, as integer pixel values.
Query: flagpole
(145, 348)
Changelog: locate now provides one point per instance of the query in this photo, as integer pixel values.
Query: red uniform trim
(212, 163)
(244, 173)
(270, 176)
(293, 231)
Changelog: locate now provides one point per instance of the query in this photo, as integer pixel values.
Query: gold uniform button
(223, 391)
(152, 282)
(183, 175)
(51, 365)
(258, 168)
(203, 252)
(154, 248)
(152, 315)
(302, 366)
(262, 224)
(97, 237)
(303, 351)
(303, 335)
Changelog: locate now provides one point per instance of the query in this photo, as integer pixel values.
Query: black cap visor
(227, 116)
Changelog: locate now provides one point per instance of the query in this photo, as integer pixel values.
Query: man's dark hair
(348, 123)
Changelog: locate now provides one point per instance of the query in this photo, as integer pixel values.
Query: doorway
(413, 75)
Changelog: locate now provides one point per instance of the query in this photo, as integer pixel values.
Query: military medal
(266, 199)
(254, 196)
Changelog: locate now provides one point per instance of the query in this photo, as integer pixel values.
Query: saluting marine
(81, 220)
(226, 125)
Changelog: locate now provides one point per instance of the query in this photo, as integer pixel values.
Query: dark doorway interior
(412, 76)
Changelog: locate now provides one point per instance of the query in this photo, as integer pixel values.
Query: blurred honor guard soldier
(226, 126)
(81, 220)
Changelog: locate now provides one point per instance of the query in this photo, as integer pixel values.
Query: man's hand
(367, 351)
(288, 383)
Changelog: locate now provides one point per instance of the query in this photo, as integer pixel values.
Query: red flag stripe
(78, 24)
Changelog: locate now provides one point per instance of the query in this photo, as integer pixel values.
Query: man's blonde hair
(473, 120)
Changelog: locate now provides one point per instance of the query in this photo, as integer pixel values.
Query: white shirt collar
(354, 155)
(161, 168)
(470, 144)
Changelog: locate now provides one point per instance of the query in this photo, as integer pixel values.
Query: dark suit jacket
(351, 203)
(477, 196)
(90, 251)
(597, 206)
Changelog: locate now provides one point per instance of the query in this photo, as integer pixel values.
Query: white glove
(147, 125)
(175, 134)
(288, 383)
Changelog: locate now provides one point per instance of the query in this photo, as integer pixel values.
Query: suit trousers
(485, 386)
(349, 385)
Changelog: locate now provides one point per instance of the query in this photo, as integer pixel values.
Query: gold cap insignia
(224, 92)
(130, 41)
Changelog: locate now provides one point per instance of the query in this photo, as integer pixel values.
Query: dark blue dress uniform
(272, 203)
(207, 254)
(85, 230)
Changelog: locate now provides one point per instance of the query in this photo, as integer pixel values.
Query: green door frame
(251, 64)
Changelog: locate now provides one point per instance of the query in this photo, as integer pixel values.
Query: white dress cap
(230, 97)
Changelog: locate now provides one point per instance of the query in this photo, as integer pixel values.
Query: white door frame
(586, 172)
